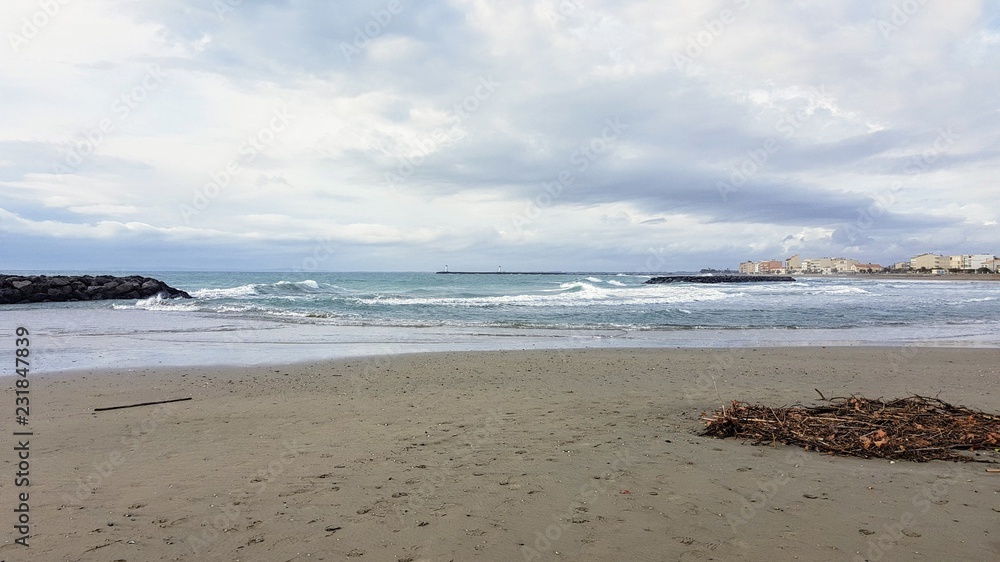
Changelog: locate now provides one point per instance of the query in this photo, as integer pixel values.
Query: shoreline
(908, 276)
(512, 455)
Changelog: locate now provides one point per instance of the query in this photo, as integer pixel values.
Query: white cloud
(380, 150)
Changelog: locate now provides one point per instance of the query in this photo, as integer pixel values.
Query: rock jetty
(720, 279)
(24, 289)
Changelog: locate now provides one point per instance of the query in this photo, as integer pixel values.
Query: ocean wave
(570, 294)
(805, 288)
(975, 299)
(279, 289)
(841, 290)
(158, 303)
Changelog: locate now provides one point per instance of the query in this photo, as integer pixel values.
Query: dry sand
(535, 455)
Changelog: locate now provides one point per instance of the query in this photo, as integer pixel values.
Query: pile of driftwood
(915, 428)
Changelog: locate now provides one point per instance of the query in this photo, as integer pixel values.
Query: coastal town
(931, 264)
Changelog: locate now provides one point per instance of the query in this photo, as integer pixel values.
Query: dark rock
(720, 279)
(125, 288)
(16, 289)
(7, 294)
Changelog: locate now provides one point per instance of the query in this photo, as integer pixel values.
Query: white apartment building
(977, 261)
(828, 265)
(970, 261)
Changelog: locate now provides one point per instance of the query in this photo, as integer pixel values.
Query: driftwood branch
(141, 404)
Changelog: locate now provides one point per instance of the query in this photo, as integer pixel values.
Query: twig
(717, 393)
(821, 397)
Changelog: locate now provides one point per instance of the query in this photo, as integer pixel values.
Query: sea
(240, 318)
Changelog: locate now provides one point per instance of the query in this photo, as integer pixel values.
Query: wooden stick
(142, 404)
(993, 470)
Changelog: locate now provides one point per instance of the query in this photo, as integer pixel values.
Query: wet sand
(507, 455)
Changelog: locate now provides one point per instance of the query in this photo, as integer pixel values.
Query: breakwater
(25, 289)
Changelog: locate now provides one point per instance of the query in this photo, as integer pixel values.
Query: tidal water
(250, 318)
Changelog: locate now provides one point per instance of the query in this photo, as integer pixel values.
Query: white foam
(231, 293)
(157, 303)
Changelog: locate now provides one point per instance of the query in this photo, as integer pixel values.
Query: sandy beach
(507, 455)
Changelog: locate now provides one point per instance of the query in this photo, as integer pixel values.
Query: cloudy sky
(540, 135)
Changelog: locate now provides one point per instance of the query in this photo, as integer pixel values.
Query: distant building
(969, 262)
(842, 265)
(771, 266)
(978, 261)
(793, 263)
(827, 266)
(934, 263)
(817, 265)
(866, 268)
(929, 261)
